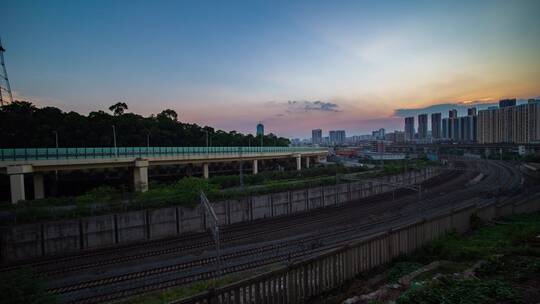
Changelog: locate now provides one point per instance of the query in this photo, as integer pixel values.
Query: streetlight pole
(148, 141)
(114, 140)
(56, 138)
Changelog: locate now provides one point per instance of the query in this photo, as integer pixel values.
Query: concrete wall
(34, 240)
(309, 278)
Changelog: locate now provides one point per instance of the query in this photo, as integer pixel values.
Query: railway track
(64, 265)
(240, 258)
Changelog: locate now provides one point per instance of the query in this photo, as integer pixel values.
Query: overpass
(18, 162)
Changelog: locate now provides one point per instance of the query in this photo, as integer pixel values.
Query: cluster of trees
(23, 125)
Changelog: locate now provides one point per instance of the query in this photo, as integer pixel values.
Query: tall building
(510, 123)
(378, 134)
(436, 132)
(260, 129)
(409, 128)
(444, 128)
(422, 126)
(507, 103)
(336, 137)
(316, 136)
(452, 113)
(396, 136)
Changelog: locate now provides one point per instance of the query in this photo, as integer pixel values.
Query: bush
(23, 287)
(450, 290)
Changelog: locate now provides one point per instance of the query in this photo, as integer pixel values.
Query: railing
(82, 153)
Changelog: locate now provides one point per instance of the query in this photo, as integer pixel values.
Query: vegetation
(183, 192)
(21, 286)
(512, 267)
(23, 125)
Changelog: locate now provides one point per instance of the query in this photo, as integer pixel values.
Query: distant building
(471, 111)
(507, 103)
(260, 129)
(409, 129)
(436, 131)
(316, 136)
(452, 113)
(422, 126)
(378, 134)
(396, 137)
(336, 137)
(510, 123)
(377, 146)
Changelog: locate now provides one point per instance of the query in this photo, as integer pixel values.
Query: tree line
(24, 125)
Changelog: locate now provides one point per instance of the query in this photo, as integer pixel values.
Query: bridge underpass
(17, 163)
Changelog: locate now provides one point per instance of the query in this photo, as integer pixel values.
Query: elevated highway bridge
(18, 162)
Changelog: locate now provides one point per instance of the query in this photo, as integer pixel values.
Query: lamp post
(114, 140)
(148, 141)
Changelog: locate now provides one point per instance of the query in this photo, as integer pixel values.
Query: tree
(168, 114)
(118, 108)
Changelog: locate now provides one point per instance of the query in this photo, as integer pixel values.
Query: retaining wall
(19, 242)
(297, 283)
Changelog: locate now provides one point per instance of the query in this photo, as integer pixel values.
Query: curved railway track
(241, 254)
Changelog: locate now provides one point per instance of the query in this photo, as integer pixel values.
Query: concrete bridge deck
(17, 162)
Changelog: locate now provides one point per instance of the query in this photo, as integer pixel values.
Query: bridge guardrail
(96, 153)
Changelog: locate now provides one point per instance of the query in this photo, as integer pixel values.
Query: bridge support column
(39, 187)
(16, 181)
(307, 162)
(206, 172)
(298, 162)
(140, 176)
(255, 166)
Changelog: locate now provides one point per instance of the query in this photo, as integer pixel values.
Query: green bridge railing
(82, 153)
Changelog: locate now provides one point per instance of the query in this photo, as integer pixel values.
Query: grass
(184, 192)
(513, 265)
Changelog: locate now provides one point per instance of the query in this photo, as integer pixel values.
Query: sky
(294, 65)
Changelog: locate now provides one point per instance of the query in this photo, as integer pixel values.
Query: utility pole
(148, 141)
(114, 140)
(4, 81)
(56, 139)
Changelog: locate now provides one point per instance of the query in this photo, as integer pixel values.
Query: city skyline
(294, 66)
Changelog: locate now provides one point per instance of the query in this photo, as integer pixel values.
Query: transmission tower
(5, 89)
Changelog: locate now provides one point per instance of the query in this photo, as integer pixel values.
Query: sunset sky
(295, 65)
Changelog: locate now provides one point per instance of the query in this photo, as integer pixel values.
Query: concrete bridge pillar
(206, 172)
(307, 162)
(16, 181)
(298, 162)
(39, 187)
(140, 176)
(255, 167)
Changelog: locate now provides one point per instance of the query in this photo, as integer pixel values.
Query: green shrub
(23, 287)
(449, 290)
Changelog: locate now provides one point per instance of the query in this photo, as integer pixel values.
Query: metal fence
(82, 153)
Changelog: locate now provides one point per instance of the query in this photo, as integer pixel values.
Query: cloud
(294, 106)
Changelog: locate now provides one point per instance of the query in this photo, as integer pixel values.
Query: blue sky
(231, 64)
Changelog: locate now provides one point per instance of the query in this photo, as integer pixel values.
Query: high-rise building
(409, 128)
(260, 129)
(510, 123)
(444, 128)
(422, 126)
(471, 111)
(336, 137)
(378, 134)
(396, 136)
(507, 103)
(452, 113)
(316, 136)
(436, 132)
